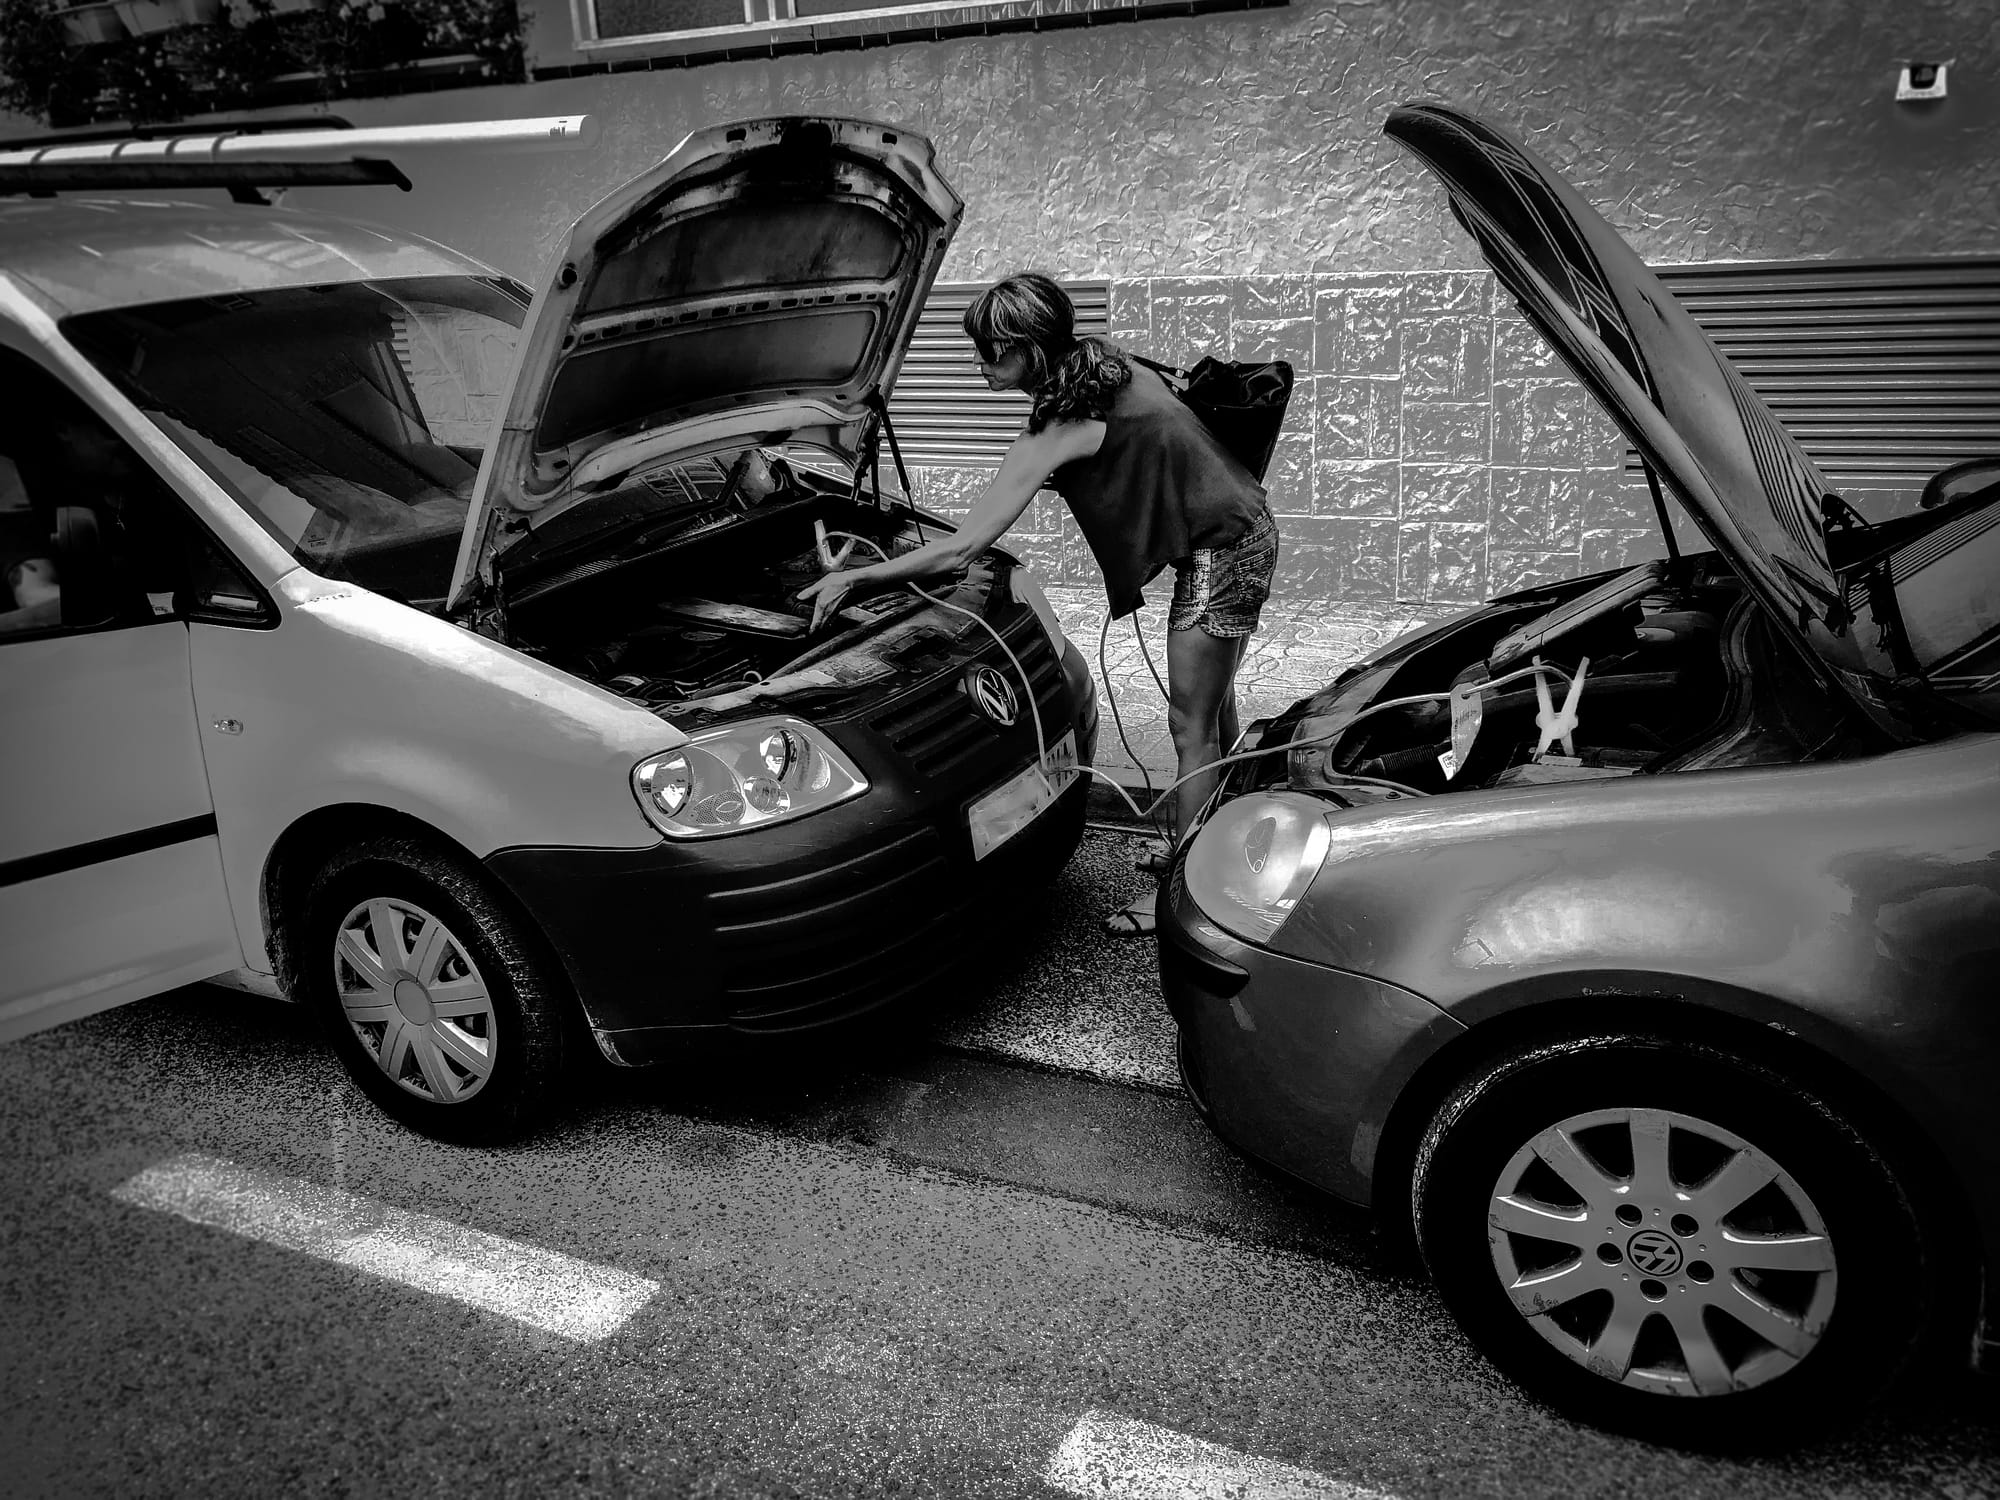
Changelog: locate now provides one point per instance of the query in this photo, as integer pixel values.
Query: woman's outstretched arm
(1030, 459)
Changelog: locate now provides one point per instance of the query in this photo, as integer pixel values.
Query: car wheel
(1669, 1241)
(438, 1002)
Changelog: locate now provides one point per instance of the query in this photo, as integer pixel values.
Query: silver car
(1630, 942)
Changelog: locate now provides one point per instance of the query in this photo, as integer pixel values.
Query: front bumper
(805, 923)
(1292, 1062)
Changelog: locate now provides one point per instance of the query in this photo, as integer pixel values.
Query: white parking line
(1121, 1459)
(538, 1287)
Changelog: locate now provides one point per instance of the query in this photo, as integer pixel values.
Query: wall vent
(1885, 371)
(943, 412)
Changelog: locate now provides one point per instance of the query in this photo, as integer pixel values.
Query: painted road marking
(1117, 1458)
(541, 1288)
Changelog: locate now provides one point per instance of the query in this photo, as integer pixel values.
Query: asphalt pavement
(980, 1248)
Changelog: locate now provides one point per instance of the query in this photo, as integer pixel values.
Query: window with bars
(1885, 371)
(615, 33)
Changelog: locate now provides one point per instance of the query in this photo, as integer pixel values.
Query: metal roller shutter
(1884, 370)
(943, 412)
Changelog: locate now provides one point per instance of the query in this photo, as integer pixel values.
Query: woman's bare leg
(1229, 729)
(1201, 716)
(1201, 711)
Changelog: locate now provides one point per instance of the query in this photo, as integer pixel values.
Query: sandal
(1134, 919)
(1153, 857)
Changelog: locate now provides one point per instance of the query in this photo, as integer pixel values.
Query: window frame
(932, 20)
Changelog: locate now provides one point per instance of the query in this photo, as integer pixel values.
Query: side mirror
(1959, 481)
(83, 568)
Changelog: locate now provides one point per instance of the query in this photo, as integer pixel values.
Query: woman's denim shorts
(1220, 590)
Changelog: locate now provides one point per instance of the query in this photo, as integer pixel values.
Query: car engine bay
(691, 606)
(1646, 672)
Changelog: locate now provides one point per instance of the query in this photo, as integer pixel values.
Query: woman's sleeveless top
(1159, 489)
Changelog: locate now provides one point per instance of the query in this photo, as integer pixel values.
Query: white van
(393, 640)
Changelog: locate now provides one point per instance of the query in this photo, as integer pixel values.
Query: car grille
(940, 732)
(838, 938)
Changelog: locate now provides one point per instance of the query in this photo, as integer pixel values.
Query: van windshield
(348, 419)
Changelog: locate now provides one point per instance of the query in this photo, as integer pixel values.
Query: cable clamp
(1557, 725)
(830, 560)
(1468, 709)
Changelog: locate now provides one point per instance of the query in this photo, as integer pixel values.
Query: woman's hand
(826, 594)
(1030, 459)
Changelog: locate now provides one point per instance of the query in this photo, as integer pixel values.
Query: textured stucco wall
(1434, 452)
(1228, 174)
(1249, 143)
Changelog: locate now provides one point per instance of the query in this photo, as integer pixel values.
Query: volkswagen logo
(993, 695)
(1654, 1252)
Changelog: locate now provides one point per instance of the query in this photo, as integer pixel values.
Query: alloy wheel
(416, 1000)
(1662, 1252)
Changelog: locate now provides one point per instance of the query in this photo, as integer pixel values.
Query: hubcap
(415, 999)
(1661, 1251)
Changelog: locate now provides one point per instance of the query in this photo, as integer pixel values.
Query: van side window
(89, 534)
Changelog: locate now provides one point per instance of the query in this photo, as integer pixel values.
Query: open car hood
(1707, 435)
(761, 283)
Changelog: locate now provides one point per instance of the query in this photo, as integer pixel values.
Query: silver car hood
(759, 284)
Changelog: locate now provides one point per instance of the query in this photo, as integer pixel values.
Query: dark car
(1631, 942)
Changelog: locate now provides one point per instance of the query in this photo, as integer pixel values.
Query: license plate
(1014, 804)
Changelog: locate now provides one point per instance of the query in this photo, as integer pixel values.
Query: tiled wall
(1434, 452)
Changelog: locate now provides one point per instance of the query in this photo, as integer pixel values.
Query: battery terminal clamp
(1557, 726)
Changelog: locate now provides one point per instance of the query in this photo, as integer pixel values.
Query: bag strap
(1157, 368)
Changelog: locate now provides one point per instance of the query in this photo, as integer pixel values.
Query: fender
(355, 698)
(1854, 905)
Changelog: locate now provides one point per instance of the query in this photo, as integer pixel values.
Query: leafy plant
(250, 56)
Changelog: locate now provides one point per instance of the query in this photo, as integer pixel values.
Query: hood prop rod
(883, 425)
(1660, 510)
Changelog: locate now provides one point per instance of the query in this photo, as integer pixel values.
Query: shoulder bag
(1241, 403)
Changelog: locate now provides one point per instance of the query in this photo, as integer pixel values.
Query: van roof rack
(246, 157)
(226, 125)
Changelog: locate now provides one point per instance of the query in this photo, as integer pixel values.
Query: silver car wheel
(1662, 1252)
(415, 999)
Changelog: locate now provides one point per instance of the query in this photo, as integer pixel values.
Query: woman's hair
(1068, 377)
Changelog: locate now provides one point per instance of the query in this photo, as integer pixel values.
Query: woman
(1150, 487)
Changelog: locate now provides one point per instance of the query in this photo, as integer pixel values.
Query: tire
(475, 1047)
(1605, 1283)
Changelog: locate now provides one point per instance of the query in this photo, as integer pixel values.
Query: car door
(111, 883)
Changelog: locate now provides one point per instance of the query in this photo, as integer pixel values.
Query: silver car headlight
(1253, 860)
(1029, 592)
(744, 776)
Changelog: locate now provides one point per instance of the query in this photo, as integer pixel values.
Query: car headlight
(1253, 860)
(1027, 591)
(743, 776)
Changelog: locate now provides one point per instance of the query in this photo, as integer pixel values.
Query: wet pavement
(983, 1248)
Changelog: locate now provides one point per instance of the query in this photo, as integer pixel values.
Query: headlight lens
(744, 776)
(1253, 860)
(1027, 591)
